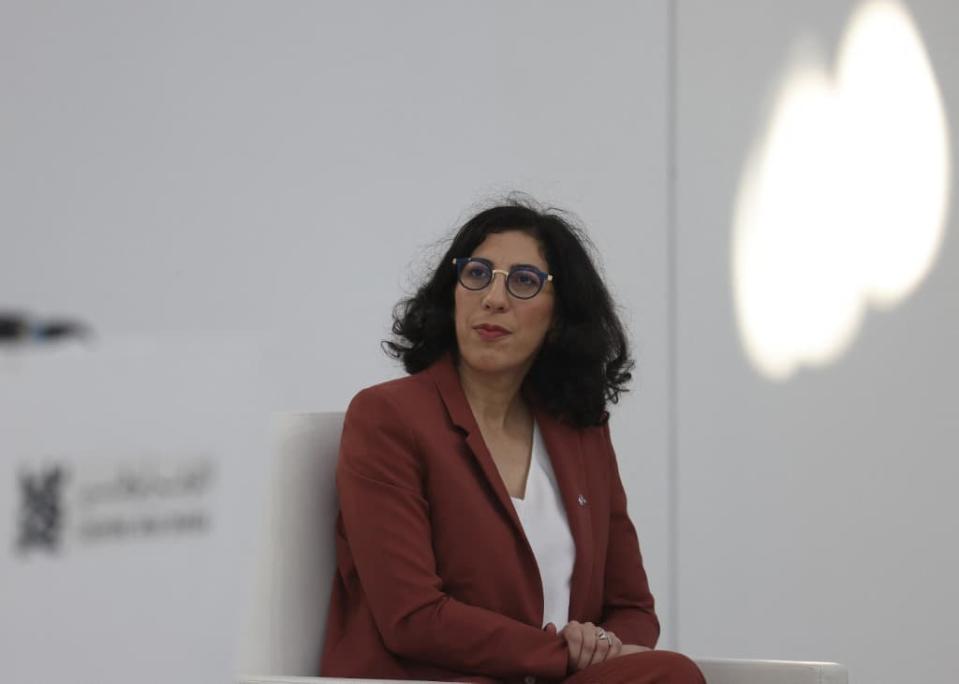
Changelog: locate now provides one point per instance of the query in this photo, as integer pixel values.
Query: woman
(483, 533)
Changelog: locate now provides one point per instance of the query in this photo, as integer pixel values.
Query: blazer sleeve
(628, 606)
(385, 514)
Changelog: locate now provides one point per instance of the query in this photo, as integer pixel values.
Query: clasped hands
(586, 647)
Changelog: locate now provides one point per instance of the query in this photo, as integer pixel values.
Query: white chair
(286, 624)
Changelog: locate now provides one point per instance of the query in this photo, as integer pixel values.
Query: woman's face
(495, 331)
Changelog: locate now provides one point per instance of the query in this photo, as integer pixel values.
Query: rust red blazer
(435, 578)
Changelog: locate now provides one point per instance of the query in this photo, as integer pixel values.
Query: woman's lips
(491, 332)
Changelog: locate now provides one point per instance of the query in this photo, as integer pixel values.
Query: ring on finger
(601, 634)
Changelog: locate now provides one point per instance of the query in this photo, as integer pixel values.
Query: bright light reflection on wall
(843, 201)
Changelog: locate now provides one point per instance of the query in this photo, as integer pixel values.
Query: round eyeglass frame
(461, 262)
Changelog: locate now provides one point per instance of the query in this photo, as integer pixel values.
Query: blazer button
(581, 500)
(529, 679)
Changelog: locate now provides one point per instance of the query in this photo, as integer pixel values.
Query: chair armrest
(716, 671)
(734, 671)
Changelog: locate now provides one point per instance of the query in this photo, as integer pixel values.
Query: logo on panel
(134, 501)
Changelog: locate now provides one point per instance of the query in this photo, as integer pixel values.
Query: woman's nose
(496, 296)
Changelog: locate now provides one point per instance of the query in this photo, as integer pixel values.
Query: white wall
(281, 169)
(817, 515)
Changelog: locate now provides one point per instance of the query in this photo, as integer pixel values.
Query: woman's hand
(585, 645)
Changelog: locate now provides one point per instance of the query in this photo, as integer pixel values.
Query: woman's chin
(492, 361)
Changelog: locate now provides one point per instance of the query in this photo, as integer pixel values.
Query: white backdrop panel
(131, 479)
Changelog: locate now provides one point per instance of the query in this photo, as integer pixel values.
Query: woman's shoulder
(395, 396)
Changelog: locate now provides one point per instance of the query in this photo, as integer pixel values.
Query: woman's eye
(476, 272)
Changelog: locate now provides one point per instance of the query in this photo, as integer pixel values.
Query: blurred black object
(20, 329)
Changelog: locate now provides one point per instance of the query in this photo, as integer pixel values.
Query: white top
(544, 521)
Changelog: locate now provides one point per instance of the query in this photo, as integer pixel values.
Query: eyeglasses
(523, 281)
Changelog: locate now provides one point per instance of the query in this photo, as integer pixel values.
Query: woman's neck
(495, 398)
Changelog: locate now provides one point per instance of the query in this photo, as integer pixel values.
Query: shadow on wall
(844, 197)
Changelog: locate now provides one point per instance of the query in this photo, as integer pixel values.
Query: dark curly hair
(584, 361)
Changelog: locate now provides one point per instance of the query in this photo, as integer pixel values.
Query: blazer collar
(447, 380)
(564, 444)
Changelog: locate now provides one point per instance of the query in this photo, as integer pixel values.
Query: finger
(589, 645)
(550, 628)
(615, 646)
(602, 647)
(574, 642)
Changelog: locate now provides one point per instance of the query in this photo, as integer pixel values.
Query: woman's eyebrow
(515, 265)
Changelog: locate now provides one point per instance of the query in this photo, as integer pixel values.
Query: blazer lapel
(565, 452)
(447, 381)
(566, 456)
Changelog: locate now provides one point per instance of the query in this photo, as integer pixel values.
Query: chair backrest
(296, 558)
